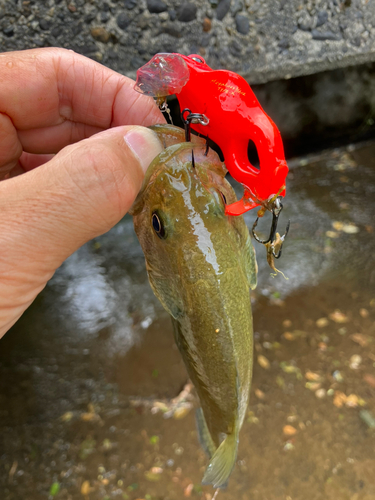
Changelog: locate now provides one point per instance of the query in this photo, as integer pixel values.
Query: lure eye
(158, 226)
(197, 59)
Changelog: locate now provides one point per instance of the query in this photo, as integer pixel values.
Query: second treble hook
(274, 240)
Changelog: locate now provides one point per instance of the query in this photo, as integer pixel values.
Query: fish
(201, 265)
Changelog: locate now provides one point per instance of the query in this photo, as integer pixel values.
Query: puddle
(97, 338)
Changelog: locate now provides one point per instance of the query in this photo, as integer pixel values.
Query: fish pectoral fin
(222, 462)
(204, 435)
(166, 293)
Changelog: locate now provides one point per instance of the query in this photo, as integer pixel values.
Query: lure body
(235, 117)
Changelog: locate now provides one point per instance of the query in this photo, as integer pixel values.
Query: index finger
(54, 97)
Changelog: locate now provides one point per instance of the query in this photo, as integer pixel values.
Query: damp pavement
(89, 376)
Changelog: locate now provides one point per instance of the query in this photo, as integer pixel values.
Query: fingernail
(144, 144)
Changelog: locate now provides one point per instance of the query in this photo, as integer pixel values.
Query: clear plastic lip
(165, 74)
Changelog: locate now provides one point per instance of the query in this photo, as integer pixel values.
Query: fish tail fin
(204, 435)
(222, 462)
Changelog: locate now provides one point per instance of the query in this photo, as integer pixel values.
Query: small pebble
(130, 4)
(326, 35)
(187, 12)
(123, 20)
(222, 9)
(100, 34)
(337, 376)
(355, 361)
(288, 446)
(320, 393)
(156, 6)
(263, 362)
(364, 313)
(242, 24)
(322, 18)
(45, 24)
(207, 24)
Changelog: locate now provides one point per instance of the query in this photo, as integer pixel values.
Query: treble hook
(276, 210)
(192, 118)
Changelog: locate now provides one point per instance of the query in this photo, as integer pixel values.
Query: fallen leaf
(338, 317)
(313, 386)
(337, 225)
(181, 412)
(67, 417)
(339, 399)
(289, 430)
(259, 394)
(322, 322)
(350, 228)
(352, 401)
(312, 376)
(85, 488)
(359, 338)
(289, 336)
(263, 362)
(188, 490)
(369, 379)
(332, 234)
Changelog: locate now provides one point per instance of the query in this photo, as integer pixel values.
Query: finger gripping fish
(201, 265)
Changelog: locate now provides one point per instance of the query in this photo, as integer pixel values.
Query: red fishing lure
(234, 116)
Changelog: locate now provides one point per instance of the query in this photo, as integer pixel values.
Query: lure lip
(165, 74)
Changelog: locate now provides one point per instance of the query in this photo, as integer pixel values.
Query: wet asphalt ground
(88, 373)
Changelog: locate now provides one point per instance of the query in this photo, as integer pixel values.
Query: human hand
(66, 124)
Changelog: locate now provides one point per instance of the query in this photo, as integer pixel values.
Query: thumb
(49, 212)
(84, 190)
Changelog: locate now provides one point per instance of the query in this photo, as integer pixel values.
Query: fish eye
(158, 226)
(223, 197)
(197, 59)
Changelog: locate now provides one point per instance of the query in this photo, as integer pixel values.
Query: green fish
(201, 265)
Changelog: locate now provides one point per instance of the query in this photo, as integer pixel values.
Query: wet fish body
(201, 265)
